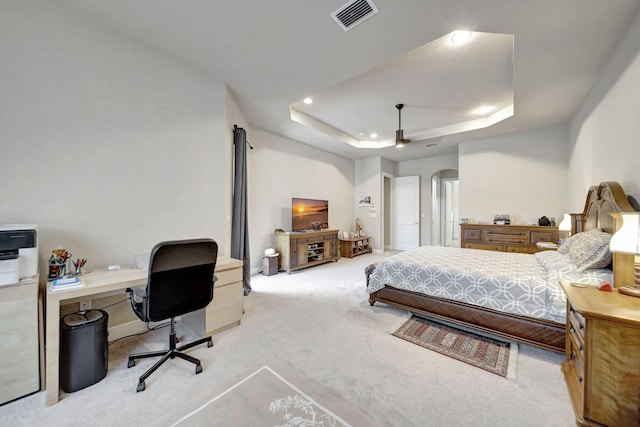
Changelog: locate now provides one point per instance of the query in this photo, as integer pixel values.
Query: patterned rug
(271, 393)
(477, 350)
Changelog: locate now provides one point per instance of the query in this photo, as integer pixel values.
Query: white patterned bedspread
(522, 284)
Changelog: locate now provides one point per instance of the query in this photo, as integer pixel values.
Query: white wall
(523, 175)
(109, 146)
(605, 133)
(279, 169)
(369, 183)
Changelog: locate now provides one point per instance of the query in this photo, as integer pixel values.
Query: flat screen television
(309, 214)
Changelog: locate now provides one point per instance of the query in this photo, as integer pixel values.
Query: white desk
(227, 301)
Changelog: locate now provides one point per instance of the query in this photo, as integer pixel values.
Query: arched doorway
(444, 204)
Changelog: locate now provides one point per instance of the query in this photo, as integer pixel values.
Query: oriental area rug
(477, 350)
(272, 393)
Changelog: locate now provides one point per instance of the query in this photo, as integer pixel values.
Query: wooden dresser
(602, 366)
(305, 249)
(506, 238)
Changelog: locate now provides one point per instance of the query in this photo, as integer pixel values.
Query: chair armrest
(139, 292)
(138, 299)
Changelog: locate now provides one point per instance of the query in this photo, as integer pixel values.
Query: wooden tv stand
(306, 249)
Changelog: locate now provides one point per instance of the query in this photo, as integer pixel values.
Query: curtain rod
(235, 129)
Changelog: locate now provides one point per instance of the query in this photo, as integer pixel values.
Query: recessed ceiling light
(374, 135)
(483, 109)
(460, 37)
(361, 134)
(308, 101)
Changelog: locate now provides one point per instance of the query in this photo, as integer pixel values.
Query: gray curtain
(239, 222)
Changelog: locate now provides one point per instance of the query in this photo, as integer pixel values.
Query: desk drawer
(226, 308)
(228, 277)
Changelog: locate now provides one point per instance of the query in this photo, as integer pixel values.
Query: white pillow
(591, 250)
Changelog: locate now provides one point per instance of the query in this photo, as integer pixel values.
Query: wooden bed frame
(602, 208)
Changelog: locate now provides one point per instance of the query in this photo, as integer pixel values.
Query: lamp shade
(565, 224)
(627, 238)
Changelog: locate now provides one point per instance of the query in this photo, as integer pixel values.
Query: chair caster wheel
(209, 343)
(198, 369)
(131, 363)
(140, 387)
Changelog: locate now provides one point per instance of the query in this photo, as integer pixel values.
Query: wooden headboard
(602, 210)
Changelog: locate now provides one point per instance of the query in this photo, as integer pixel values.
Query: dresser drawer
(472, 234)
(483, 246)
(576, 324)
(576, 350)
(542, 236)
(576, 355)
(520, 249)
(506, 236)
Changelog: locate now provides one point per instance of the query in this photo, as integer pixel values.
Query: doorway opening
(444, 204)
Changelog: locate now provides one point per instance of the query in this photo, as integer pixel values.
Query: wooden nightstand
(602, 366)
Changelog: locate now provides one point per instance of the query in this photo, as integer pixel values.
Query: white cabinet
(20, 367)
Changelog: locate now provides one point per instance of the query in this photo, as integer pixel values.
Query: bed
(512, 295)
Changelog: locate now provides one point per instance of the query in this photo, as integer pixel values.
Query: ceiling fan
(400, 141)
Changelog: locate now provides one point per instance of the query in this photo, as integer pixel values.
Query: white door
(407, 212)
(436, 211)
(451, 232)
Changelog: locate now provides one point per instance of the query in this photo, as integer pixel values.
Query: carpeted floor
(319, 321)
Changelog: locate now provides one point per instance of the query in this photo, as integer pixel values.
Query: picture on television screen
(309, 214)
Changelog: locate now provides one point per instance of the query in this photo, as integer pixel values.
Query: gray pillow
(566, 245)
(591, 250)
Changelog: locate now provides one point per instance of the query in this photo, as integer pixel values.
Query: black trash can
(84, 350)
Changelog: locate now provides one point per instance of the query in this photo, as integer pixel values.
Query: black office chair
(180, 281)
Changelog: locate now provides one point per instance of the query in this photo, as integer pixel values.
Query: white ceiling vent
(354, 13)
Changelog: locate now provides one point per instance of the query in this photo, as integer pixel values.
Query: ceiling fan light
(400, 141)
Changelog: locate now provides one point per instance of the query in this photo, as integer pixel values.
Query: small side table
(354, 246)
(602, 355)
(270, 264)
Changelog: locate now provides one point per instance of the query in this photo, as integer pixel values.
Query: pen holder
(56, 270)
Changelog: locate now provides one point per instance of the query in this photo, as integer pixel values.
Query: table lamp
(627, 241)
(564, 228)
(565, 224)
